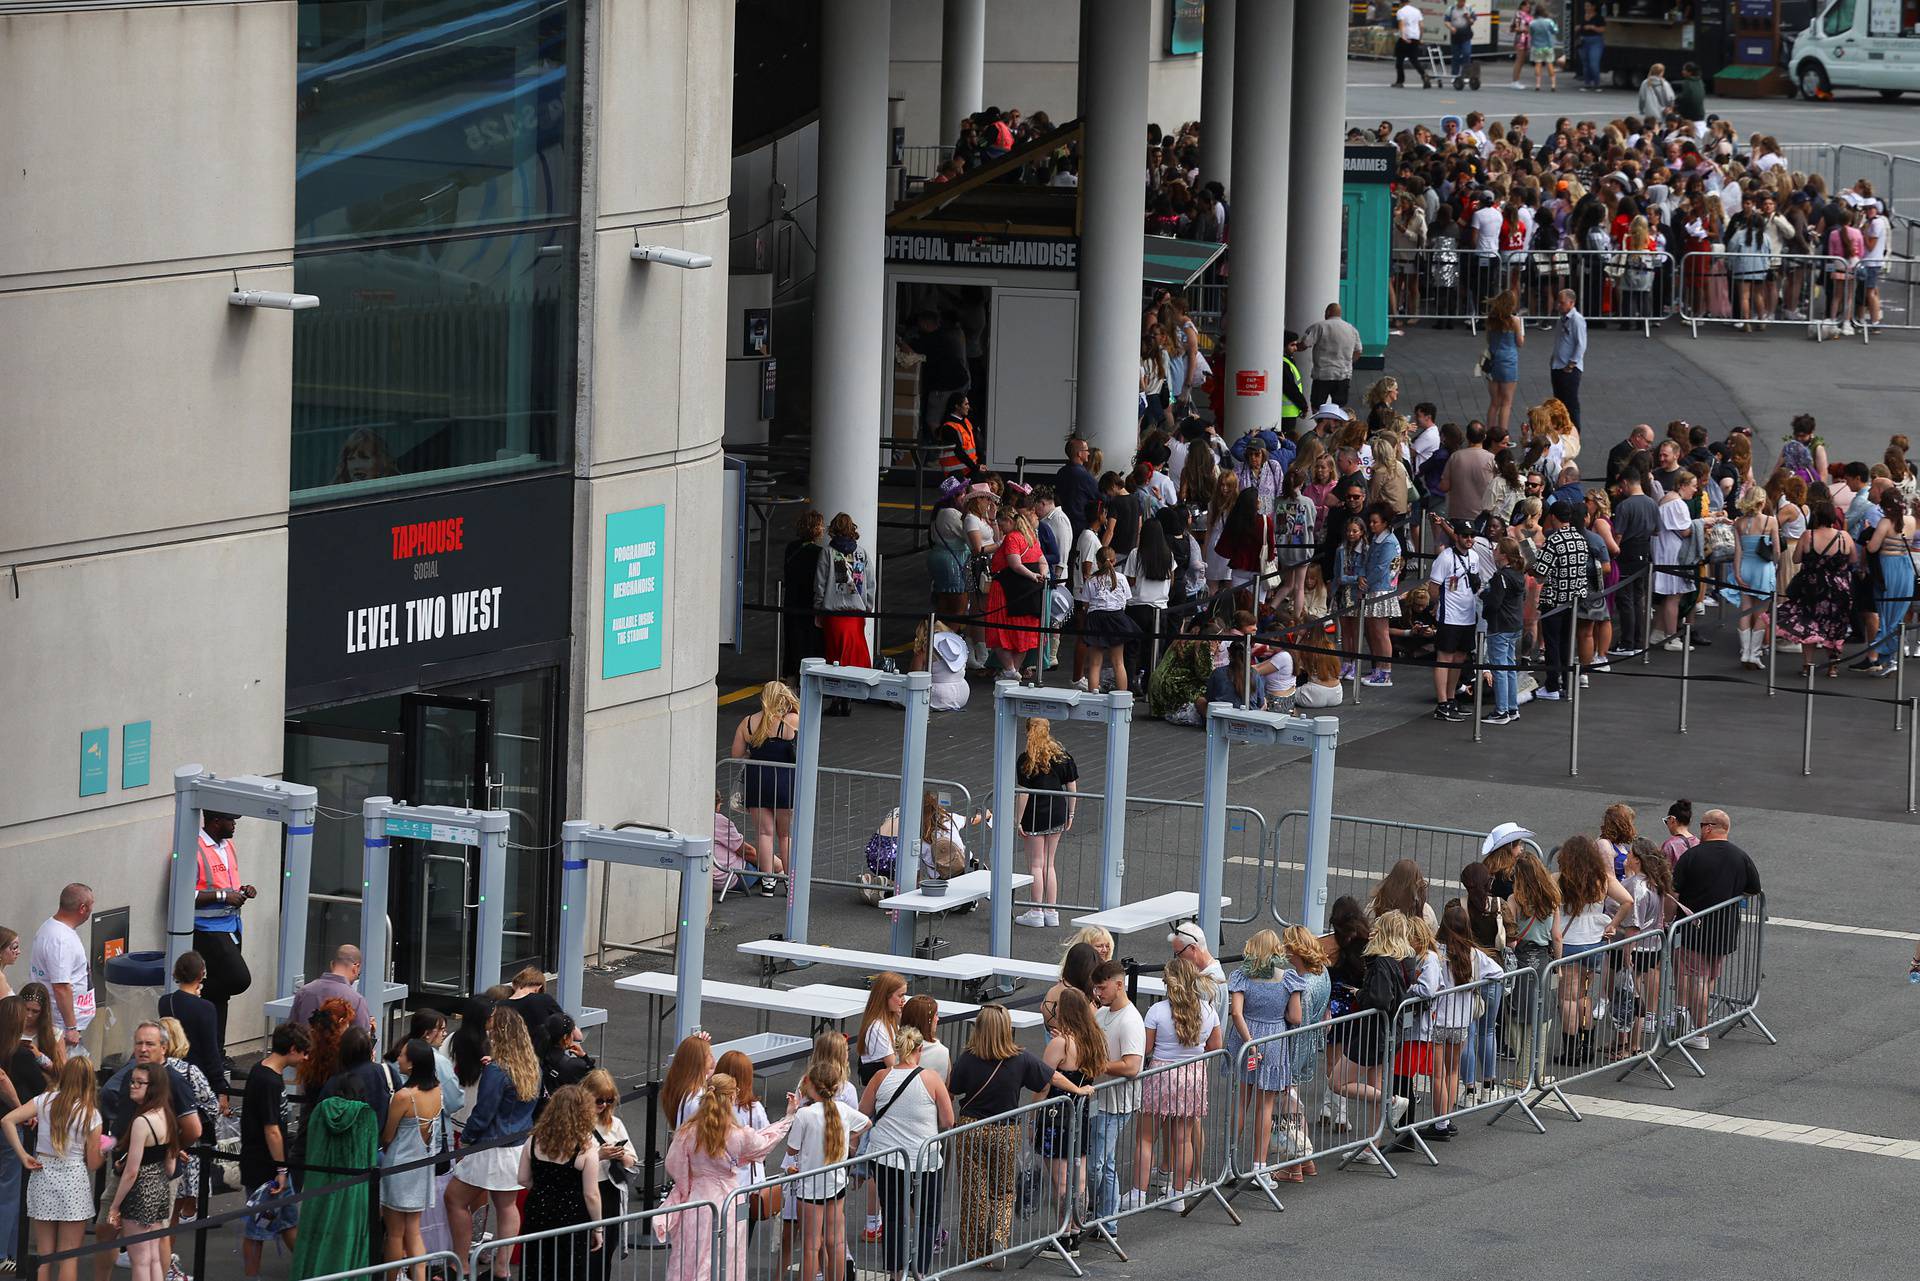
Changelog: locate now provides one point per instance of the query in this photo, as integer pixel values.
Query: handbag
(1484, 365)
(1021, 594)
(1767, 550)
(1720, 542)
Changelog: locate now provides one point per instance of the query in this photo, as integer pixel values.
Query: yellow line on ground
(749, 691)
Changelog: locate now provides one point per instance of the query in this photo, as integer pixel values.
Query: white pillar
(963, 61)
(1316, 172)
(849, 339)
(1216, 96)
(1262, 126)
(1113, 185)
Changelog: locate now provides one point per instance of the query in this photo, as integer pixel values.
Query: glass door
(346, 764)
(448, 755)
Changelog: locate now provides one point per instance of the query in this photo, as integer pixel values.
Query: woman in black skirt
(1356, 1048)
(1048, 781)
(1108, 629)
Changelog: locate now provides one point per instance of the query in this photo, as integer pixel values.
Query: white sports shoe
(1035, 918)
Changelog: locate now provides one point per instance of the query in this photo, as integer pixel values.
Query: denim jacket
(497, 1111)
(1379, 566)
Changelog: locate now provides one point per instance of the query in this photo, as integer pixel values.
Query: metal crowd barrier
(1743, 289)
(1328, 1106)
(1714, 980)
(852, 805)
(439, 1261)
(1454, 284)
(1431, 1070)
(1002, 1187)
(1359, 853)
(624, 1253)
(825, 1235)
(1162, 852)
(1160, 1141)
(1598, 1014)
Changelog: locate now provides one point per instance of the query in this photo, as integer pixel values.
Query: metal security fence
(1713, 984)
(1455, 1055)
(1452, 284)
(615, 1247)
(1306, 1095)
(814, 1220)
(1001, 1186)
(1599, 1014)
(436, 1263)
(1757, 290)
(1161, 853)
(1359, 853)
(854, 807)
(1160, 1141)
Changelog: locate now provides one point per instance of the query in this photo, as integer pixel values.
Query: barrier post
(1646, 623)
(1686, 665)
(1480, 665)
(1573, 697)
(780, 628)
(1773, 632)
(1899, 679)
(1913, 751)
(1806, 733)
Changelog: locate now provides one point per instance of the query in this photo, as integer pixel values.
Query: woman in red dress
(1013, 602)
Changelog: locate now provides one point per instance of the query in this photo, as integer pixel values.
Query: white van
(1859, 44)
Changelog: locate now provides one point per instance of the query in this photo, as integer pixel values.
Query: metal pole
(488, 959)
(696, 897)
(1899, 678)
(780, 630)
(1326, 738)
(1213, 828)
(1913, 751)
(1806, 734)
(375, 945)
(1573, 697)
(1773, 630)
(913, 761)
(1246, 674)
(806, 792)
(1646, 623)
(879, 639)
(1006, 732)
(1113, 820)
(1480, 656)
(1355, 700)
(1686, 665)
(294, 888)
(183, 871)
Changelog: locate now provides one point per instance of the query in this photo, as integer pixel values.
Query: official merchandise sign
(379, 594)
(1370, 164)
(982, 249)
(634, 605)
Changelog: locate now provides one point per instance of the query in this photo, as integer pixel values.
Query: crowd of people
(891, 1118)
(1636, 214)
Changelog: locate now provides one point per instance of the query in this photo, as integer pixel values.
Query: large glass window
(436, 216)
(420, 115)
(432, 357)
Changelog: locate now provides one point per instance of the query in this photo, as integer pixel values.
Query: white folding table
(1147, 914)
(973, 887)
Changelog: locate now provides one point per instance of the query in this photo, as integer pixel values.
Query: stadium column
(1316, 171)
(1262, 130)
(1112, 183)
(963, 60)
(1216, 96)
(850, 341)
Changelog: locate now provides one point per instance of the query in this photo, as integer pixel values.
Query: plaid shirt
(1562, 567)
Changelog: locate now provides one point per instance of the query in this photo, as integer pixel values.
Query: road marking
(1789, 922)
(1752, 1127)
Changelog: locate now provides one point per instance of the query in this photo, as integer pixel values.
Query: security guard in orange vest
(219, 894)
(956, 433)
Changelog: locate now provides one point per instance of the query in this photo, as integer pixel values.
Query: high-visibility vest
(216, 874)
(1288, 407)
(963, 428)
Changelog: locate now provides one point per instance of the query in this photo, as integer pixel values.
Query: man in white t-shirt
(1407, 19)
(59, 959)
(1874, 233)
(1085, 561)
(1426, 433)
(1457, 576)
(1126, 1055)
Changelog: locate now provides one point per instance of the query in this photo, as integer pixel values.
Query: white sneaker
(1133, 1200)
(1264, 1182)
(1846, 330)
(1697, 1043)
(120, 1260)
(1585, 680)
(1673, 644)
(1365, 1157)
(1053, 918)
(1081, 684)
(1035, 918)
(1400, 1103)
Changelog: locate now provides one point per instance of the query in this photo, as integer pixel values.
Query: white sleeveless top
(910, 1120)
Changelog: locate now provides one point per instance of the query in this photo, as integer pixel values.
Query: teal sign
(634, 610)
(1186, 26)
(136, 754)
(417, 829)
(1366, 223)
(93, 762)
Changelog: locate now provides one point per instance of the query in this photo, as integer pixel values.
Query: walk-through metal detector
(1013, 703)
(913, 693)
(291, 804)
(1227, 726)
(660, 847)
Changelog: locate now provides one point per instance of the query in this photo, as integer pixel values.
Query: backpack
(1385, 985)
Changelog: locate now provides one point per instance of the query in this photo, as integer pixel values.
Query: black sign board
(984, 249)
(1371, 164)
(378, 594)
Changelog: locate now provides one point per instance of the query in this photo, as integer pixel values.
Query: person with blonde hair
(1049, 783)
(767, 738)
(507, 1091)
(909, 1105)
(67, 1151)
(1282, 983)
(1403, 945)
(702, 1160)
(1181, 1027)
(1756, 557)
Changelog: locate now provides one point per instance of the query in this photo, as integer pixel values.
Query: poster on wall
(634, 609)
(1186, 21)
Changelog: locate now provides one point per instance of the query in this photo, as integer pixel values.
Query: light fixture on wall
(680, 258)
(275, 301)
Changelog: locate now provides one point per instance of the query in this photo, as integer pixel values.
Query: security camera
(277, 301)
(671, 257)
